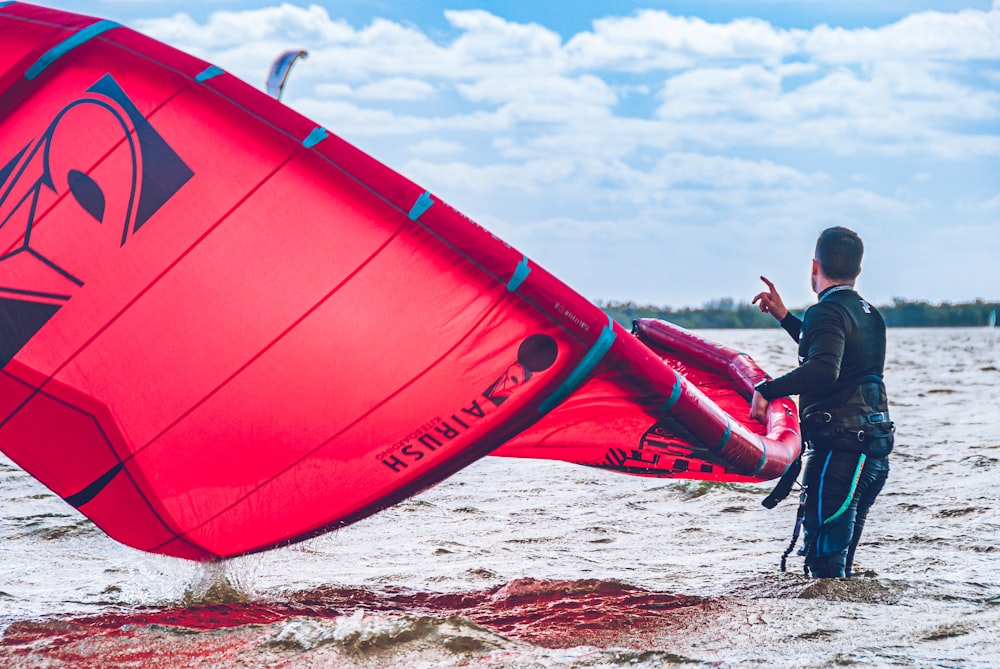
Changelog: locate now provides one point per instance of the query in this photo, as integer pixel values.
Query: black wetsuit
(845, 422)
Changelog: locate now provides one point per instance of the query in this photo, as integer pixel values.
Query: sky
(663, 152)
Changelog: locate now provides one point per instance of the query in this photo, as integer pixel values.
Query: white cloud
(705, 93)
(396, 88)
(651, 126)
(992, 204)
(226, 29)
(544, 98)
(963, 35)
(893, 108)
(741, 83)
(333, 91)
(435, 147)
(721, 172)
(653, 39)
(533, 177)
(489, 39)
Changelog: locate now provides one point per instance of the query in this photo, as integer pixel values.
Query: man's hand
(770, 301)
(758, 408)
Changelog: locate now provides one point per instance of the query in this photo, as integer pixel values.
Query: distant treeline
(727, 313)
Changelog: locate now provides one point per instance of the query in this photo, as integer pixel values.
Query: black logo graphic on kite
(100, 153)
(666, 447)
(535, 354)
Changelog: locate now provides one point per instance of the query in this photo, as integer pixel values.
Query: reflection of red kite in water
(225, 329)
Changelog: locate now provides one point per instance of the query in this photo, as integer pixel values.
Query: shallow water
(517, 563)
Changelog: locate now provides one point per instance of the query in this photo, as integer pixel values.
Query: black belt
(831, 424)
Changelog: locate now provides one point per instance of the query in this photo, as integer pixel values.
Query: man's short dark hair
(839, 252)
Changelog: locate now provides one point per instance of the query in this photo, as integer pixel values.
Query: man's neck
(833, 287)
(823, 283)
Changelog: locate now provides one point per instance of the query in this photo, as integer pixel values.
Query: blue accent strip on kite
(763, 457)
(725, 436)
(4, 4)
(520, 274)
(68, 44)
(675, 394)
(786, 468)
(422, 204)
(317, 135)
(209, 72)
(576, 377)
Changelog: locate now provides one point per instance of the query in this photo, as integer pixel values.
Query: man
(846, 432)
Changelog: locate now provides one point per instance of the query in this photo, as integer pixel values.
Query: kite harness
(858, 424)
